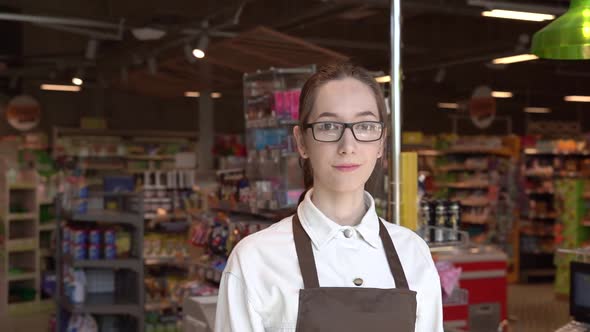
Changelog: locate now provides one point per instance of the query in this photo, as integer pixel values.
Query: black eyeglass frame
(346, 125)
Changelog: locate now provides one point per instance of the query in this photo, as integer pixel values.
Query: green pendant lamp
(568, 37)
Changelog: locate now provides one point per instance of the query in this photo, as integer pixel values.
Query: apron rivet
(358, 281)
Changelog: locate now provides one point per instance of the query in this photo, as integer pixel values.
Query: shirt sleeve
(429, 311)
(235, 312)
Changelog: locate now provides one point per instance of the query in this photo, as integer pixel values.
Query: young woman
(334, 265)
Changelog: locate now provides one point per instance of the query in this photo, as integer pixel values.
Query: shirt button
(348, 233)
(358, 281)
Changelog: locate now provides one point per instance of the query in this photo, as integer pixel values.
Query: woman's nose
(347, 143)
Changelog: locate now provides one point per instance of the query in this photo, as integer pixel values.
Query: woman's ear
(298, 134)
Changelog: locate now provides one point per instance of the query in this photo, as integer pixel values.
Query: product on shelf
(440, 221)
(94, 243)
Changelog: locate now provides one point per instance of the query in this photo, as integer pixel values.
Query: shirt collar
(322, 229)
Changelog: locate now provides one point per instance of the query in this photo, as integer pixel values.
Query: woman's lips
(347, 167)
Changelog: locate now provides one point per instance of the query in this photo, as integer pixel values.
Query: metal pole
(395, 100)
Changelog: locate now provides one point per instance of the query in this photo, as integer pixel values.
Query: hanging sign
(23, 113)
(482, 107)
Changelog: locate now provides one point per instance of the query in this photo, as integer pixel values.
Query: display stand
(271, 106)
(20, 282)
(114, 286)
(555, 202)
(479, 303)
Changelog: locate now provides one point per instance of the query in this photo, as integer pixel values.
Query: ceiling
(447, 48)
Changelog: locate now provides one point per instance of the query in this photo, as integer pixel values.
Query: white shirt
(260, 285)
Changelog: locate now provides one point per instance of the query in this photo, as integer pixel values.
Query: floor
(531, 308)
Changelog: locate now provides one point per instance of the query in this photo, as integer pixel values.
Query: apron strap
(305, 255)
(392, 258)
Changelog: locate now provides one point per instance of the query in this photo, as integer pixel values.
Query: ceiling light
(147, 33)
(199, 51)
(383, 79)
(78, 78)
(538, 110)
(515, 58)
(192, 94)
(502, 94)
(448, 105)
(215, 95)
(518, 15)
(60, 87)
(579, 99)
(568, 37)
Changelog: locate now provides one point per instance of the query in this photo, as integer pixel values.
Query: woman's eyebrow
(334, 115)
(327, 114)
(366, 113)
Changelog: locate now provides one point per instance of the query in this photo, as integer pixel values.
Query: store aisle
(535, 308)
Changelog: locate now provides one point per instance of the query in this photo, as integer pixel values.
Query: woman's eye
(328, 126)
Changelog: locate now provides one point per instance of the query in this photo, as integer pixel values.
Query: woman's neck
(346, 209)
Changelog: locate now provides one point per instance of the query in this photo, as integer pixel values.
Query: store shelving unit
(143, 155)
(473, 181)
(543, 172)
(19, 248)
(126, 298)
(271, 99)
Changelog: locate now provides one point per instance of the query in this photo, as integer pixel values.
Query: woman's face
(347, 164)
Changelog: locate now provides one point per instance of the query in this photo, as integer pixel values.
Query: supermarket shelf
(21, 277)
(586, 223)
(22, 186)
(151, 157)
(46, 202)
(132, 264)
(269, 123)
(534, 152)
(475, 202)
(480, 151)
(44, 252)
(462, 168)
(48, 226)
(22, 216)
(550, 216)
(22, 245)
(587, 195)
(429, 153)
(23, 308)
(538, 192)
(102, 167)
(175, 261)
(103, 304)
(159, 306)
(539, 174)
(467, 185)
(105, 216)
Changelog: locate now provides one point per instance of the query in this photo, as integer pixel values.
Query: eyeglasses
(365, 131)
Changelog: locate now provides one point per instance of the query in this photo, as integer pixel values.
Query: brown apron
(343, 309)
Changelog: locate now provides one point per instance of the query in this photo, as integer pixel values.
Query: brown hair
(308, 96)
